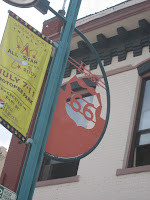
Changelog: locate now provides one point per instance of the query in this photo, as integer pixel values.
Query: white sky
(35, 19)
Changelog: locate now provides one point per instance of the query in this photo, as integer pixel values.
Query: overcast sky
(35, 18)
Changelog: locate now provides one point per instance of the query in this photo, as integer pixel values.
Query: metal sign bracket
(29, 141)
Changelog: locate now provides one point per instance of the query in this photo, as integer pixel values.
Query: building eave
(112, 15)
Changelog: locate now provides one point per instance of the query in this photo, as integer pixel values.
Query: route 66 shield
(79, 117)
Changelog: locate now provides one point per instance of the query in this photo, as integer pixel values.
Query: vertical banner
(24, 56)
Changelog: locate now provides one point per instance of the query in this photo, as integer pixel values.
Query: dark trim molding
(119, 45)
(132, 170)
(58, 181)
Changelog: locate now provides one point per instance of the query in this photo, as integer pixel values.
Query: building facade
(119, 168)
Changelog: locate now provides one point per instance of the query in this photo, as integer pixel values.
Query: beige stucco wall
(2, 158)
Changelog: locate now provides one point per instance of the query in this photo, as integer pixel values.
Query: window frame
(144, 74)
(137, 133)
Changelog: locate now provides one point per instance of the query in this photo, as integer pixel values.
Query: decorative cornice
(107, 48)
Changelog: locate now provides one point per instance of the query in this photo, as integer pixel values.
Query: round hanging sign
(80, 117)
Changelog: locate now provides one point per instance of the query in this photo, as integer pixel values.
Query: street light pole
(40, 134)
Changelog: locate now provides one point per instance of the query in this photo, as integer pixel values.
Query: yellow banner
(24, 56)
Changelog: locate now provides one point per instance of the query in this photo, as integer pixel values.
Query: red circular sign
(78, 122)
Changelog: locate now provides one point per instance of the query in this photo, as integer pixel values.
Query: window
(52, 169)
(140, 153)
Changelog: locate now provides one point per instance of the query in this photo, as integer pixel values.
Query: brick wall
(3, 154)
(52, 27)
(13, 164)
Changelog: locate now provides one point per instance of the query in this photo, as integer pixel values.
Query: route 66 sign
(79, 117)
